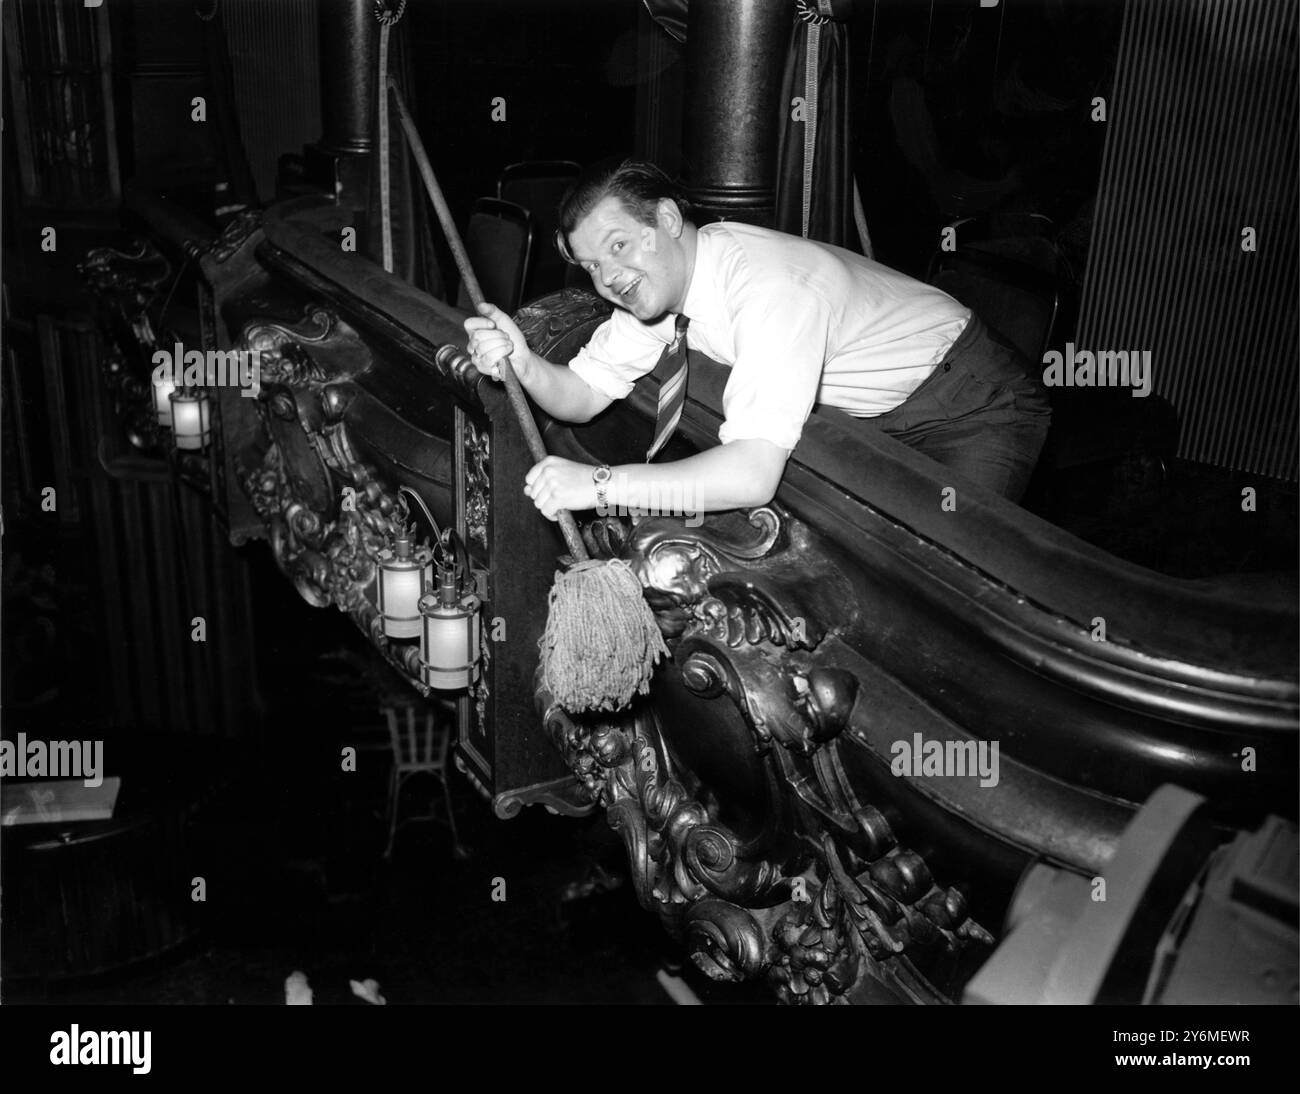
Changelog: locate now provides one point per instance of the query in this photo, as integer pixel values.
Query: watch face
(602, 474)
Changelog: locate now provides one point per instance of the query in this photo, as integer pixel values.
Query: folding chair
(421, 745)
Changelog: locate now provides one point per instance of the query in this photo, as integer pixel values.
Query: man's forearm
(738, 475)
(561, 392)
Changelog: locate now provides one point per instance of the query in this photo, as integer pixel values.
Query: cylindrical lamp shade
(162, 400)
(191, 419)
(449, 642)
(402, 582)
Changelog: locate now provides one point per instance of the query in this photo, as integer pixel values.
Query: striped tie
(671, 371)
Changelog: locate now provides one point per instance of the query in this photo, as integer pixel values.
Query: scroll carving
(232, 237)
(329, 551)
(748, 625)
(685, 863)
(314, 349)
(128, 282)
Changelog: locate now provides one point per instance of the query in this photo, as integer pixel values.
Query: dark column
(735, 53)
(348, 33)
(339, 163)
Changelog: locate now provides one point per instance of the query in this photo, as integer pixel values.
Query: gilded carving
(317, 348)
(478, 482)
(329, 551)
(232, 237)
(815, 960)
(132, 402)
(679, 561)
(549, 320)
(129, 282)
(726, 942)
(130, 279)
(747, 626)
(479, 690)
(333, 562)
(678, 851)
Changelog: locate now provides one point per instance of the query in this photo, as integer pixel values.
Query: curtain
(415, 258)
(814, 180)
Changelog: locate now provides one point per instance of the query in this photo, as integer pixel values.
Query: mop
(601, 641)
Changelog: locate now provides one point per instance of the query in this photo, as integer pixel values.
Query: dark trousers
(983, 413)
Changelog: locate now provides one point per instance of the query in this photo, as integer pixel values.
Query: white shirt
(799, 323)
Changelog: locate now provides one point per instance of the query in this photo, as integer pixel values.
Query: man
(800, 323)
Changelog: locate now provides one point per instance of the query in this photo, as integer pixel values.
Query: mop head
(601, 642)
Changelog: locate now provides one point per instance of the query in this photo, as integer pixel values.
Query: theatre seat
(499, 240)
(538, 185)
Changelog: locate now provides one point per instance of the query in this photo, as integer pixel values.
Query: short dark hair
(639, 186)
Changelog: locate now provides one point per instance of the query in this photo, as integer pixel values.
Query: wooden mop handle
(518, 401)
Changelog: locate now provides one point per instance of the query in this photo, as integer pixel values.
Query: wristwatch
(601, 477)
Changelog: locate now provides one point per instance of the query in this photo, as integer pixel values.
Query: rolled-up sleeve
(781, 340)
(622, 350)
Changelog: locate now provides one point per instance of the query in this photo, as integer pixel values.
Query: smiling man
(800, 323)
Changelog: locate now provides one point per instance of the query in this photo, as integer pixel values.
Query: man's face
(633, 265)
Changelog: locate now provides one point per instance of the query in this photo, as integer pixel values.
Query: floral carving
(678, 851)
(746, 622)
(815, 960)
(329, 551)
(333, 562)
(725, 900)
(478, 482)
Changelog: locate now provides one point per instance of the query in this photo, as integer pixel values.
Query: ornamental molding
(327, 547)
(477, 452)
(548, 321)
(825, 895)
(314, 349)
(233, 236)
(129, 279)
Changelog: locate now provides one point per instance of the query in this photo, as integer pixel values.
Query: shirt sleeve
(781, 337)
(620, 352)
